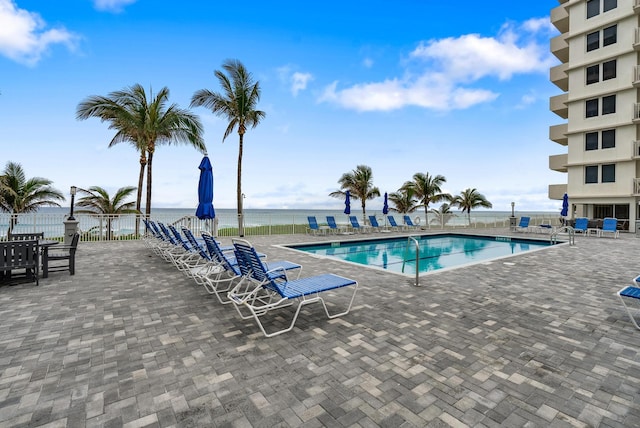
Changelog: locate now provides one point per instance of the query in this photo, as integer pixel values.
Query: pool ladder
(404, 258)
(568, 229)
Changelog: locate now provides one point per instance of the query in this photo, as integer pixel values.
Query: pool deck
(536, 340)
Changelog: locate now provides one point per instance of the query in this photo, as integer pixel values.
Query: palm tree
(359, 183)
(97, 201)
(442, 214)
(21, 195)
(403, 200)
(238, 103)
(144, 123)
(427, 189)
(468, 199)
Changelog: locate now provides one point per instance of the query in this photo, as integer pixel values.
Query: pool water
(436, 251)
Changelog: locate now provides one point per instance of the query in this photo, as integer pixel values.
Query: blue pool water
(436, 251)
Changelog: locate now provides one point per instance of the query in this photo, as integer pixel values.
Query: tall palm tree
(403, 201)
(144, 123)
(96, 200)
(238, 103)
(359, 183)
(21, 195)
(427, 189)
(469, 199)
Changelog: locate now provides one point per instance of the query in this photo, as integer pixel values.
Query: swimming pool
(437, 251)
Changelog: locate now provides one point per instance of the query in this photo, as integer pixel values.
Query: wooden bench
(20, 255)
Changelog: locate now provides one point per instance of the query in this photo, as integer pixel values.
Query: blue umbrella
(347, 203)
(205, 209)
(565, 205)
(385, 207)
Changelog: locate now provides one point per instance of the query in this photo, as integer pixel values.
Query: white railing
(636, 73)
(636, 39)
(636, 186)
(636, 149)
(123, 227)
(636, 111)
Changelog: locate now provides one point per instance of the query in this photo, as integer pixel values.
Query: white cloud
(367, 62)
(115, 6)
(449, 68)
(24, 37)
(299, 82)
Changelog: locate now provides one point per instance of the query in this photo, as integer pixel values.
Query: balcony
(636, 40)
(558, 133)
(636, 186)
(636, 150)
(636, 113)
(560, 18)
(559, 77)
(636, 75)
(558, 162)
(636, 6)
(560, 47)
(558, 105)
(557, 191)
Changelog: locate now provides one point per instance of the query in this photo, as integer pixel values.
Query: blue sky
(404, 87)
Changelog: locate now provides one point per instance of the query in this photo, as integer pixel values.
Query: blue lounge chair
(581, 225)
(313, 226)
(609, 225)
(409, 223)
(394, 225)
(219, 281)
(373, 221)
(355, 225)
(523, 226)
(263, 290)
(631, 295)
(331, 221)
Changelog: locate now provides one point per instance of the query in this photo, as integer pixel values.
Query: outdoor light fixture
(73, 195)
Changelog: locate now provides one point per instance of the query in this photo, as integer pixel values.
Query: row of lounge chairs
(356, 227)
(609, 227)
(241, 276)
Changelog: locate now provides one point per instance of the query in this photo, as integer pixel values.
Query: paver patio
(534, 340)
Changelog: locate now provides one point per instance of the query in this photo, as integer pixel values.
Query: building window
(593, 41)
(610, 35)
(609, 173)
(609, 70)
(592, 107)
(591, 174)
(593, 8)
(591, 141)
(609, 139)
(609, 104)
(609, 4)
(593, 74)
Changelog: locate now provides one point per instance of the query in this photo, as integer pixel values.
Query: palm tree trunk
(426, 215)
(239, 186)
(143, 163)
(147, 209)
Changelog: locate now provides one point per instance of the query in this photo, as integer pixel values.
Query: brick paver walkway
(537, 340)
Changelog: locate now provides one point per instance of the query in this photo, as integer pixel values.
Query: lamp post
(513, 206)
(512, 219)
(73, 195)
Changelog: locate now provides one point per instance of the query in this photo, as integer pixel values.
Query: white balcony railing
(636, 150)
(636, 112)
(636, 186)
(636, 74)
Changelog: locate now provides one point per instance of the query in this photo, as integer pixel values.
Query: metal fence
(124, 227)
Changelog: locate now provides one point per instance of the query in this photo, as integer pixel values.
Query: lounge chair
(219, 281)
(609, 225)
(581, 225)
(631, 295)
(409, 223)
(313, 226)
(356, 226)
(523, 226)
(263, 290)
(375, 225)
(331, 221)
(394, 225)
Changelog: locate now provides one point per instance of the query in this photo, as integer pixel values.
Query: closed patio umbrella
(565, 207)
(347, 203)
(205, 209)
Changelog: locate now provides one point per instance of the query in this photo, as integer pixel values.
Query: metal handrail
(570, 230)
(404, 258)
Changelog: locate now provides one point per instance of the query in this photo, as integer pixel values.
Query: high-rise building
(599, 74)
